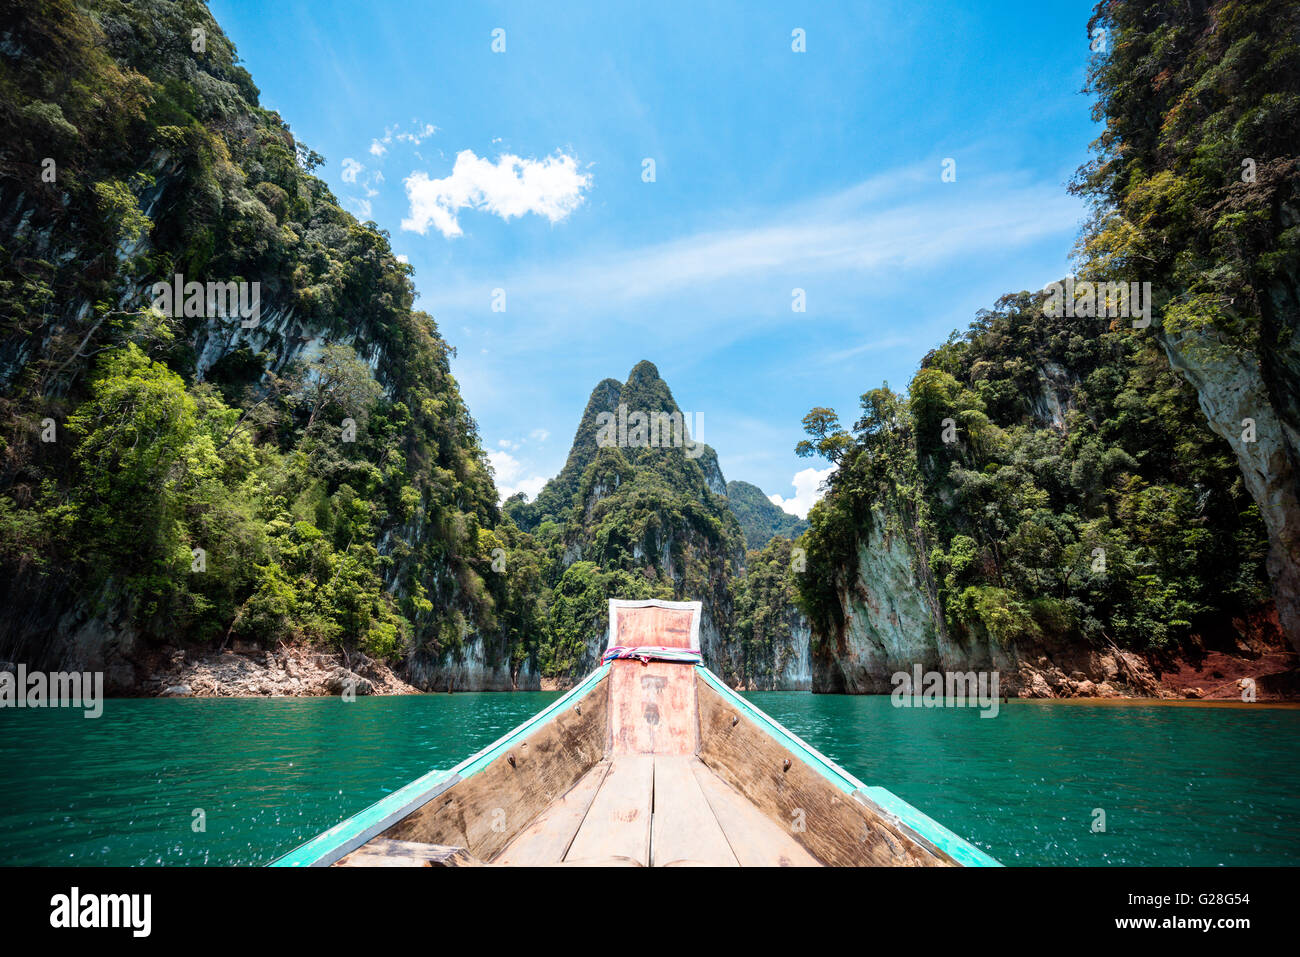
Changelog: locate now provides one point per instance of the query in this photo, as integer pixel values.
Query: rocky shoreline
(303, 671)
(287, 671)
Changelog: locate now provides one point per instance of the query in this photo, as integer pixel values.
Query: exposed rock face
(473, 668)
(790, 667)
(1231, 388)
(892, 623)
(1056, 394)
(890, 620)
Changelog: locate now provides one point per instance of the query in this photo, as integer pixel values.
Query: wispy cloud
(552, 187)
(420, 132)
(860, 233)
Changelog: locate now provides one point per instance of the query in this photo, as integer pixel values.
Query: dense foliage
(202, 476)
(1057, 474)
(1197, 178)
(1059, 480)
(760, 520)
(766, 604)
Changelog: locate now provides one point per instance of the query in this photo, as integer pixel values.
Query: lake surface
(1178, 785)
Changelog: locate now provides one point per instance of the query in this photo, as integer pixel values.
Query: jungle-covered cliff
(1059, 490)
(1046, 489)
(301, 470)
(1197, 185)
(635, 512)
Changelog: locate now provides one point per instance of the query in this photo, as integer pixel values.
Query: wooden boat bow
(650, 761)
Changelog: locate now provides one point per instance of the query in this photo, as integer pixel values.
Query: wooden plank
(602, 862)
(486, 810)
(652, 708)
(618, 822)
(665, 627)
(385, 853)
(830, 824)
(755, 840)
(547, 839)
(685, 830)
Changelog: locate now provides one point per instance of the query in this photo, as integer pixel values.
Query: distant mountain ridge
(760, 520)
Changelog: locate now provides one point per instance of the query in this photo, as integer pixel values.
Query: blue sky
(774, 170)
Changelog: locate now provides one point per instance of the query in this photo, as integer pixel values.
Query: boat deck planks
(755, 839)
(685, 829)
(618, 822)
(547, 839)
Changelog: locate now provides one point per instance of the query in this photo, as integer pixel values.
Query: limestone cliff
(1047, 504)
(1240, 405)
(304, 473)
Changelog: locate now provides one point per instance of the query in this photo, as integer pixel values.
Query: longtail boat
(650, 761)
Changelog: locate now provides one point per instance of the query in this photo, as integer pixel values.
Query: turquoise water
(1179, 785)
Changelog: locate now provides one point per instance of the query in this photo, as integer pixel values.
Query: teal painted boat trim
(927, 828)
(346, 836)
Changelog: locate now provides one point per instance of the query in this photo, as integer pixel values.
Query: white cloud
(552, 187)
(403, 258)
(807, 491)
(379, 145)
(422, 134)
(539, 435)
(351, 168)
(510, 476)
(362, 208)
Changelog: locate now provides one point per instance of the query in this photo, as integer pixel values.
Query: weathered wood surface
(685, 830)
(694, 820)
(755, 839)
(665, 627)
(831, 825)
(618, 822)
(385, 853)
(547, 839)
(652, 708)
(483, 812)
(601, 862)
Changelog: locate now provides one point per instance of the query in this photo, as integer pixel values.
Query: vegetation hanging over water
(1060, 474)
(1077, 495)
(317, 475)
